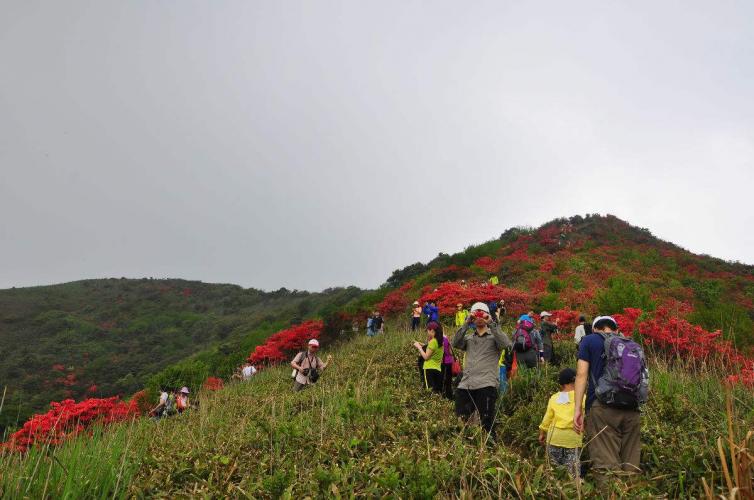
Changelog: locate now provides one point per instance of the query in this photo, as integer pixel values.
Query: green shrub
(622, 293)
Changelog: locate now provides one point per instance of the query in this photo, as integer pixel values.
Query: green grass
(366, 429)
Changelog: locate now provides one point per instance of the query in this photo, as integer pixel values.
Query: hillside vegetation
(100, 338)
(368, 429)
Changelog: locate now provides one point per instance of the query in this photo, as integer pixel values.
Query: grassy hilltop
(366, 429)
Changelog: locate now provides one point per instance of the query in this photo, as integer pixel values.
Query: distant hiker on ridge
(547, 329)
(416, 314)
(461, 315)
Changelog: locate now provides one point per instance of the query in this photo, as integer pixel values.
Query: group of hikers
(175, 401)
(599, 400)
(172, 401)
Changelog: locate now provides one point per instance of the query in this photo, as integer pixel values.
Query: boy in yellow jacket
(556, 430)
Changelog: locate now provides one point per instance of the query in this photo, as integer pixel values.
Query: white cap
(185, 390)
(416, 302)
(600, 318)
(314, 342)
(480, 306)
(544, 314)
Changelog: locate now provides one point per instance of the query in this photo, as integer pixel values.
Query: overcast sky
(309, 144)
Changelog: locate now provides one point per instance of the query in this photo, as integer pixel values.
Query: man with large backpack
(615, 370)
(527, 343)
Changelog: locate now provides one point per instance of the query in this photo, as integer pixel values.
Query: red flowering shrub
(674, 336)
(396, 301)
(141, 401)
(488, 264)
(277, 347)
(92, 389)
(627, 320)
(450, 293)
(547, 266)
(68, 418)
(566, 319)
(213, 383)
(58, 367)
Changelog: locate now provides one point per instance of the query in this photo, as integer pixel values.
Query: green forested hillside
(106, 337)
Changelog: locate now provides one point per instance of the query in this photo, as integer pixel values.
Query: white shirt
(247, 372)
(579, 334)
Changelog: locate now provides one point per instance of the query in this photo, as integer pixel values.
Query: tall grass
(367, 429)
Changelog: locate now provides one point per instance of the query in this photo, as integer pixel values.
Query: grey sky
(315, 144)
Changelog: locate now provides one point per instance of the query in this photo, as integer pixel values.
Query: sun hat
(480, 306)
(600, 318)
(544, 314)
(314, 342)
(416, 302)
(184, 390)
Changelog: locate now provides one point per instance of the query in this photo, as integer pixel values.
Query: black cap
(567, 376)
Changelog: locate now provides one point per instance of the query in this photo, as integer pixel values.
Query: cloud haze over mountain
(314, 144)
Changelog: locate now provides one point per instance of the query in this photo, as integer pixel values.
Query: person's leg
(630, 448)
(528, 358)
(298, 386)
(603, 442)
(447, 380)
(485, 399)
(434, 380)
(547, 352)
(464, 404)
(572, 461)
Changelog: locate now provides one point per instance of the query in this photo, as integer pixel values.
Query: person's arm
(324, 365)
(582, 373)
(501, 340)
(424, 354)
(459, 339)
(158, 407)
(544, 427)
(296, 361)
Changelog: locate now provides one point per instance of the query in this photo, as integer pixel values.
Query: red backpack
(522, 337)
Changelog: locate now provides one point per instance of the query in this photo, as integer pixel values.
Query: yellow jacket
(461, 317)
(558, 421)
